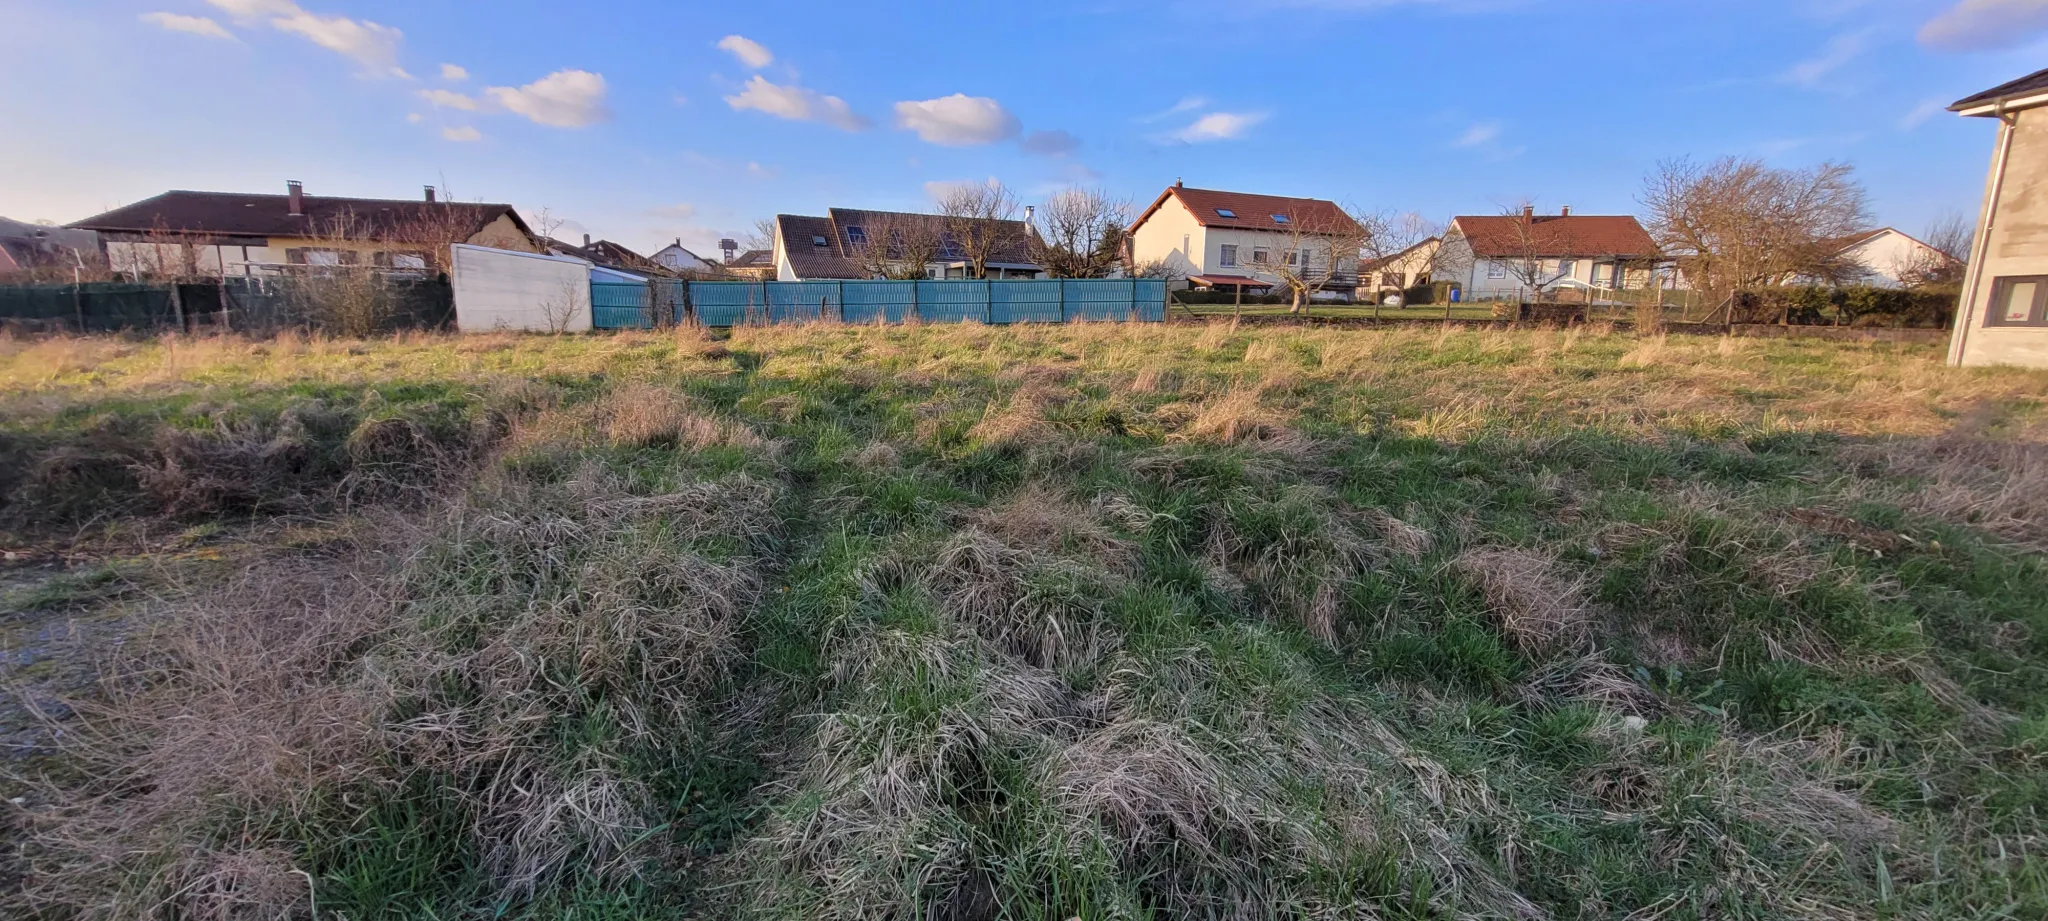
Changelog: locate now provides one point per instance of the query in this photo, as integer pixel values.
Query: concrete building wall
(2014, 245)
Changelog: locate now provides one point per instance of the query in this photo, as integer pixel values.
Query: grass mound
(1101, 622)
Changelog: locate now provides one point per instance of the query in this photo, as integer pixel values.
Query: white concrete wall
(1890, 255)
(2015, 245)
(505, 289)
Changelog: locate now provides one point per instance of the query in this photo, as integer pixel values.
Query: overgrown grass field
(959, 623)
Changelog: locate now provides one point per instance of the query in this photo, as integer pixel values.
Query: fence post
(988, 301)
(914, 286)
(842, 300)
(78, 304)
(1061, 284)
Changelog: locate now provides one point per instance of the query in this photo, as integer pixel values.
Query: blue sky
(643, 121)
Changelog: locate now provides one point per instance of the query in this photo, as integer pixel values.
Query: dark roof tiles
(246, 215)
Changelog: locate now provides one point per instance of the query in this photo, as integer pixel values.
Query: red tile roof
(1254, 212)
(1577, 235)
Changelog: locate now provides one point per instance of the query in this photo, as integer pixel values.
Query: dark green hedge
(1915, 308)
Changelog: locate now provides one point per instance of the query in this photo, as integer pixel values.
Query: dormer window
(818, 239)
(856, 235)
(1226, 212)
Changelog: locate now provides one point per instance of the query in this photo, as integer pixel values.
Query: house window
(817, 239)
(856, 235)
(1566, 268)
(1229, 256)
(1261, 256)
(1226, 212)
(1496, 270)
(408, 261)
(1280, 219)
(2018, 301)
(1292, 256)
(1185, 249)
(1599, 274)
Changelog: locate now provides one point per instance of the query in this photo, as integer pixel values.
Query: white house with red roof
(1523, 254)
(1240, 241)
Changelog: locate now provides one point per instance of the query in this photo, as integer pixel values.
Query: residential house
(752, 265)
(610, 262)
(1527, 255)
(1240, 241)
(2003, 317)
(1887, 258)
(679, 260)
(52, 252)
(233, 233)
(1409, 268)
(851, 244)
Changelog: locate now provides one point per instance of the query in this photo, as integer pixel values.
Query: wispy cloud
(190, 25)
(682, 211)
(1833, 56)
(958, 120)
(1050, 143)
(796, 104)
(1218, 126)
(1183, 107)
(449, 99)
(1986, 25)
(1479, 135)
(373, 46)
(563, 99)
(749, 52)
(1920, 114)
(454, 73)
(463, 134)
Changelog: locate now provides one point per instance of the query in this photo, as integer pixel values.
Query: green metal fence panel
(734, 303)
(876, 301)
(952, 300)
(1025, 302)
(620, 305)
(802, 301)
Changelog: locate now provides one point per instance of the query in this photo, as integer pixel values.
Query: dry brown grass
(1534, 600)
(643, 416)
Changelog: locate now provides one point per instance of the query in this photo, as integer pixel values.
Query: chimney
(295, 197)
(1528, 212)
(1567, 212)
(586, 241)
(1028, 212)
(430, 194)
(1176, 183)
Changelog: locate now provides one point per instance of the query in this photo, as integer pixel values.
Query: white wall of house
(1890, 256)
(1172, 236)
(2013, 254)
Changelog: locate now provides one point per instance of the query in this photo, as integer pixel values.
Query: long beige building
(2004, 311)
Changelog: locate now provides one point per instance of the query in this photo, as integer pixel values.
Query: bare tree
(897, 246)
(1317, 251)
(761, 236)
(1735, 224)
(980, 222)
(545, 223)
(1080, 233)
(1389, 237)
(1533, 251)
(1951, 237)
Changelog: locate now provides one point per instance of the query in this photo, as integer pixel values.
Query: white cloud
(938, 189)
(750, 52)
(1219, 126)
(190, 25)
(371, 45)
(681, 212)
(1920, 114)
(1984, 25)
(454, 73)
(414, 118)
(958, 120)
(1836, 54)
(563, 99)
(449, 99)
(1479, 135)
(461, 135)
(758, 171)
(796, 104)
(1050, 143)
(1186, 105)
